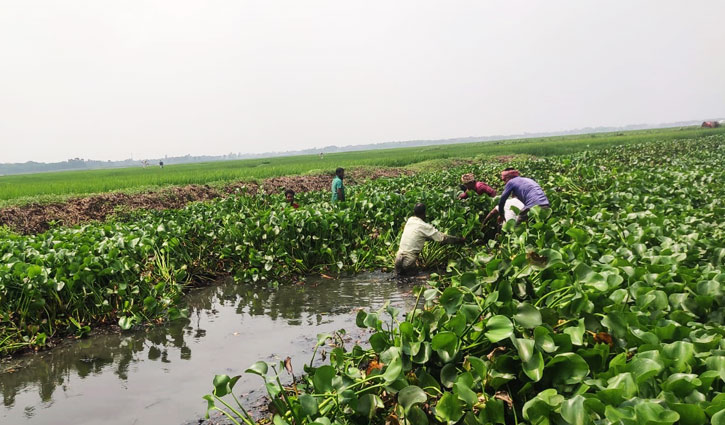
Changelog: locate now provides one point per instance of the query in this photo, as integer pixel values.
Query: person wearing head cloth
(415, 233)
(525, 189)
(468, 182)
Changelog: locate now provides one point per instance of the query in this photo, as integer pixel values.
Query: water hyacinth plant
(607, 308)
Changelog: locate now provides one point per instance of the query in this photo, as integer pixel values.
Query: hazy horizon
(110, 80)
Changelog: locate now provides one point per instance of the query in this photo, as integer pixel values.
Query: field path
(37, 218)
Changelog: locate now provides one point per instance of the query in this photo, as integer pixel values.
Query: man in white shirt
(508, 212)
(416, 232)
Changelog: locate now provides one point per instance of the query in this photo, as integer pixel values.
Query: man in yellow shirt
(416, 232)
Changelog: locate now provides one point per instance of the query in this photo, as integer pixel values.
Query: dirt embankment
(37, 218)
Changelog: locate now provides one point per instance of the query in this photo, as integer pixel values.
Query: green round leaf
(411, 395)
(259, 368)
(394, 370)
(498, 328)
(309, 404)
(573, 411)
(449, 408)
(322, 379)
(444, 340)
(527, 316)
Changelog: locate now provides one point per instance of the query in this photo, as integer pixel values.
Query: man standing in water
(338, 189)
(416, 232)
(526, 190)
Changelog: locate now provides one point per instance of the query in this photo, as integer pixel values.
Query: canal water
(158, 375)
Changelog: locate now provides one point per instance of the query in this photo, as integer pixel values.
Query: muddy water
(158, 376)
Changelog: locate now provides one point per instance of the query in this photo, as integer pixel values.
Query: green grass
(46, 187)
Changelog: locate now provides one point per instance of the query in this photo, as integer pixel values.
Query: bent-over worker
(526, 190)
(468, 182)
(416, 232)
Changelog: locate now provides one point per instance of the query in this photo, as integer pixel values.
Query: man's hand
(491, 213)
(500, 219)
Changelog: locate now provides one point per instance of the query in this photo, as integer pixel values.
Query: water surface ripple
(158, 375)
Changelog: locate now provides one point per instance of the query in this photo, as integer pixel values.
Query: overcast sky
(105, 79)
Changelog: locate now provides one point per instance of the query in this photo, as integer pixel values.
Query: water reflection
(151, 375)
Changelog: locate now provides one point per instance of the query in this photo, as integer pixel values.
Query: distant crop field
(29, 187)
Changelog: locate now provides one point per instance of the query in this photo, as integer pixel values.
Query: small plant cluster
(606, 309)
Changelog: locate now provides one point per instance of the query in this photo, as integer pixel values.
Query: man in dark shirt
(526, 190)
(289, 195)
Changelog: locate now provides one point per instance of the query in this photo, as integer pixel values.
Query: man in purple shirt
(526, 190)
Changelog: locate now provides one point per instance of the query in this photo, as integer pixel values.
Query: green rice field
(20, 189)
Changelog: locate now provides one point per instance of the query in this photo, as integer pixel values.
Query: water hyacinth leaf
(347, 398)
(322, 379)
(321, 338)
(322, 420)
(578, 235)
(279, 420)
(644, 369)
(625, 383)
(538, 409)
(717, 363)
(498, 328)
(430, 294)
(451, 299)
(465, 394)
(623, 415)
(495, 412)
(368, 404)
(576, 332)
(221, 385)
(478, 366)
(468, 280)
(543, 339)
(653, 413)
(573, 411)
(273, 388)
(308, 404)
(567, 368)
(525, 348)
(690, 414)
(449, 373)
(411, 395)
(534, 367)
(527, 316)
(680, 354)
(371, 321)
(360, 319)
(718, 418)
(416, 416)
(125, 322)
(258, 368)
(209, 404)
(457, 323)
(407, 329)
(616, 323)
(444, 341)
(428, 383)
(379, 342)
(448, 409)
(393, 371)
(423, 354)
